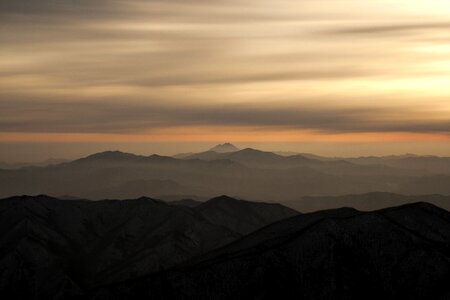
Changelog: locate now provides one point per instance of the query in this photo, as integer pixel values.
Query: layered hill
(395, 253)
(247, 173)
(400, 165)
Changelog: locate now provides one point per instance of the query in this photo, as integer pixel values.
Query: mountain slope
(224, 148)
(54, 247)
(366, 202)
(262, 159)
(242, 216)
(397, 253)
(249, 157)
(85, 243)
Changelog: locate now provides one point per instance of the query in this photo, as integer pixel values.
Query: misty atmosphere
(249, 174)
(225, 149)
(316, 228)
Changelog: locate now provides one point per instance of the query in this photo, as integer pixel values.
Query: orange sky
(237, 134)
(323, 71)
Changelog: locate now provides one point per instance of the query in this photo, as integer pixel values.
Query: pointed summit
(224, 148)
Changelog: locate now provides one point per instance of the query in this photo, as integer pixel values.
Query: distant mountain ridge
(224, 148)
(47, 162)
(247, 173)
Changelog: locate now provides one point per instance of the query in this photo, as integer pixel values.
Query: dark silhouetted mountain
(119, 158)
(242, 216)
(365, 202)
(69, 197)
(111, 156)
(55, 249)
(224, 148)
(175, 198)
(396, 253)
(47, 242)
(186, 202)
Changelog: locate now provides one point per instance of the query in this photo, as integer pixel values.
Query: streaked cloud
(394, 28)
(123, 117)
(130, 67)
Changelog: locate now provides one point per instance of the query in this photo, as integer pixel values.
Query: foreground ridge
(395, 253)
(51, 248)
(223, 248)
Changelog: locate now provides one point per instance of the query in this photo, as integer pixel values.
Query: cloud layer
(102, 66)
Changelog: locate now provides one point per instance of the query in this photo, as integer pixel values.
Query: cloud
(100, 117)
(131, 66)
(393, 28)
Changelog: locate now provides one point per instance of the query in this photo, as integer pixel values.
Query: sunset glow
(249, 71)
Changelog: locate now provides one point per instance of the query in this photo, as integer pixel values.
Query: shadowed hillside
(54, 247)
(396, 253)
(366, 202)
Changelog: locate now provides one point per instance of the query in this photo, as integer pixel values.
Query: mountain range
(247, 173)
(220, 148)
(395, 253)
(223, 248)
(51, 248)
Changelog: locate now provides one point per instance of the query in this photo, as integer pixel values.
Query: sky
(334, 77)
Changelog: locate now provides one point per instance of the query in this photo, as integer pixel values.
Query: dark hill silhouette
(367, 202)
(242, 216)
(109, 156)
(114, 157)
(186, 202)
(51, 248)
(396, 253)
